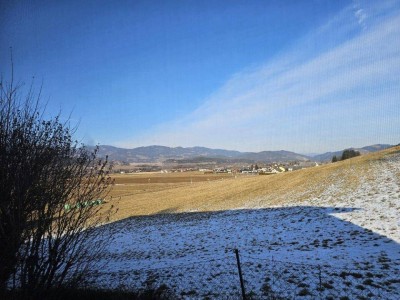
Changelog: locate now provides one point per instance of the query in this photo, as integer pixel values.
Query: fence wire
(272, 279)
(218, 278)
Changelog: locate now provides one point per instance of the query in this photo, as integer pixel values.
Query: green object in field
(96, 202)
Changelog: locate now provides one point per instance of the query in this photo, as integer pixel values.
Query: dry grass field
(335, 224)
(153, 193)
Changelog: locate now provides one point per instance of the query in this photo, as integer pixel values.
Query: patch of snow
(349, 241)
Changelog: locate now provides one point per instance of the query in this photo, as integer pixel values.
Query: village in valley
(250, 169)
(200, 150)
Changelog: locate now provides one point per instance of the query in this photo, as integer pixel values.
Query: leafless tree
(52, 192)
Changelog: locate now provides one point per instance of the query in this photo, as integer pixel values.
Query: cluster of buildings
(267, 169)
(263, 169)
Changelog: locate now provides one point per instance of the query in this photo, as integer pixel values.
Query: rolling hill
(152, 154)
(157, 154)
(367, 149)
(336, 179)
(336, 223)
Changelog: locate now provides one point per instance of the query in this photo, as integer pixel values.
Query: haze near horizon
(304, 76)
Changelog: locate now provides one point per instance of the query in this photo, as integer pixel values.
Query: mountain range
(153, 154)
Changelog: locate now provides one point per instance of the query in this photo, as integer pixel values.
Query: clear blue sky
(306, 76)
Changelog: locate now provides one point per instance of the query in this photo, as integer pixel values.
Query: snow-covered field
(341, 244)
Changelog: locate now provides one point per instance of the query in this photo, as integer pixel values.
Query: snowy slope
(343, 243)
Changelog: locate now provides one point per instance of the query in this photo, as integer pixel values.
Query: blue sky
(306, 76)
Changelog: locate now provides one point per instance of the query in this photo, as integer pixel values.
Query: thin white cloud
(287, 103)
(361, 17)
(360, 14)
